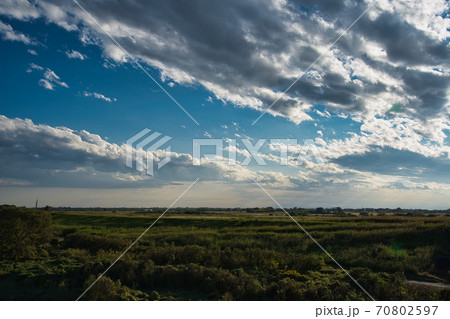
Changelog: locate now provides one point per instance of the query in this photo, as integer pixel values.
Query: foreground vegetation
(220, 255)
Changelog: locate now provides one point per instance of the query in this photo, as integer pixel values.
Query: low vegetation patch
(223, 255)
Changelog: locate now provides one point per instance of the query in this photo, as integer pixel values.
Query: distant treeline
(295, 211)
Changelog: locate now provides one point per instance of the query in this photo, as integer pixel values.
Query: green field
(222, 255)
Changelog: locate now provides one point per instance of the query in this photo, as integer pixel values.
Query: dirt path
(428, 284)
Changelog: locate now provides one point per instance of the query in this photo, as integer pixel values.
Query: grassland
(231, 255)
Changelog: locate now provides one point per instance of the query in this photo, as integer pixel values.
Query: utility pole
(37, 200)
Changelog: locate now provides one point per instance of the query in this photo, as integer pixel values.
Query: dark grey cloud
(246, 52)
(334, 90)
(402, 41)
(320, 6)
(389, 161)
(430, 89)
(47, 156)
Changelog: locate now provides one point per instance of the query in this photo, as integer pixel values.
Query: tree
(319, 210)
(22, 231)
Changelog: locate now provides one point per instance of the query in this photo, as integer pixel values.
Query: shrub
(106, 289)
(95, 243)
(22, 231)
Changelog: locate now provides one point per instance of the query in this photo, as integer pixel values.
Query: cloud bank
(248, 53)
(41, 155)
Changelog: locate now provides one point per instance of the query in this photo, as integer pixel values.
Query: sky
(355, 93)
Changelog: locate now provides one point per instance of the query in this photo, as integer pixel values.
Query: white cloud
(54, 79)
(52, 156)
(45, 155)
(75, 55)
(324, 113)
(8, 33)
(34, 66)
(19, 9)
(46, 84)
(50, 80)
(55, 14)
(32, 52)
(400, 133)
(99, 96)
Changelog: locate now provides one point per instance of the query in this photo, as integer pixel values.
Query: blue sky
(376, 105)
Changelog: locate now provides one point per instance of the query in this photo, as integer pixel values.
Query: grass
(234, 255)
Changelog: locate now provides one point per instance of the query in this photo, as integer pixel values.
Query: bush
(22, 231)
(106, 289)
(94, 243)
